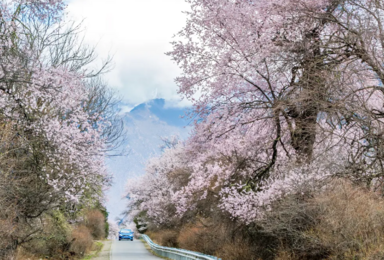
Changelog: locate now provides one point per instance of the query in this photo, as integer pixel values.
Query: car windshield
(126, 231)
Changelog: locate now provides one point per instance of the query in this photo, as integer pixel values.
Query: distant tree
(152, 194)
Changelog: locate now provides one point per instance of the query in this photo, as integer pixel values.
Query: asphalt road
(130, 250)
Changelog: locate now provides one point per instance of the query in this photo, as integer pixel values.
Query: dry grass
(351, 221)
(7, 228)
(212, 240)
(153, 252)
(197, 237)
(25, 255)
(165, 237)
(189, 237)
(81, 240)
(341, 221)
(236, 251)
(285, 255)
(95, 222)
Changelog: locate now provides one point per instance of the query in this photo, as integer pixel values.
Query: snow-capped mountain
(145, 125)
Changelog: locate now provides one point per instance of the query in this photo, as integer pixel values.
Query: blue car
(126, 234)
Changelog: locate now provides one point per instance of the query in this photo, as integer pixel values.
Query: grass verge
(151, 251)
(97, 247)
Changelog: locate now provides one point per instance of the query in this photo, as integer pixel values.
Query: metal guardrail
(175, 253)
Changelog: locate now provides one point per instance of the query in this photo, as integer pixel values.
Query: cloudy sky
(136, 33)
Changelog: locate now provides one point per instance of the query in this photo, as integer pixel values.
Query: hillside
(145, 125)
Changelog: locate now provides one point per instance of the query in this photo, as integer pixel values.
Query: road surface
(130, 250)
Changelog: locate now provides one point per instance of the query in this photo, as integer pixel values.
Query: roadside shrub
(141, 224)
(53, 240)
(6, 229)
(196, 237)
(351, 221)
(285, 254)
(165, 237)
(236, 250)
(206, 236)
(81, 240)
(57, 234)
(23, 254)
(189, 237)
(340, 221)
(287, 224)
(221, 237)
(95, 222)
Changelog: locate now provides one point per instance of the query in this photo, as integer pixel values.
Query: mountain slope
(145, 125)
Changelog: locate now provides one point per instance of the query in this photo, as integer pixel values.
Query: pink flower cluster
(286, 93)
(47, 102)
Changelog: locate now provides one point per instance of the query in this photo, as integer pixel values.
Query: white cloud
(137, 33)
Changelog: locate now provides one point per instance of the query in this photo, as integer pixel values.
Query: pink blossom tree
(277, 73)
(153, 193)
(58, 126)
(286, 93)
